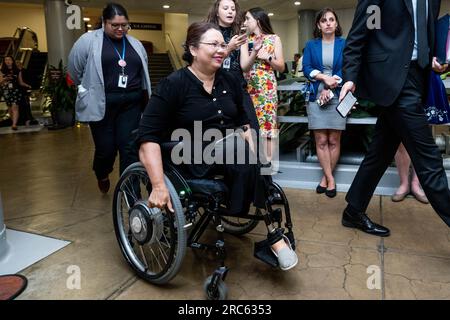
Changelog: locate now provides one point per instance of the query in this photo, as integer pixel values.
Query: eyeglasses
(216, 45)
(117, 26)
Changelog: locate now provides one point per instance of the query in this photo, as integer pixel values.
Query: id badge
(123, 81)
(227, 63)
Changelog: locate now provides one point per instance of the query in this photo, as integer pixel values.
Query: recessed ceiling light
(166, 6)
(297, 3)
(270, 14)
(89, 25)
(86, 19)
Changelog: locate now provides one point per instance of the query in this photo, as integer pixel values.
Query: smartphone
(346, 105)
(242, 31)
(319, 102)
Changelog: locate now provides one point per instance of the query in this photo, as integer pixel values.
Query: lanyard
(122, 61)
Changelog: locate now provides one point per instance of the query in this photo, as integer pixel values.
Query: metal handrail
(179, 60)
(19, 34)
(11, 46)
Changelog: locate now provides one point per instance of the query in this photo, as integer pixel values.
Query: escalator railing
(22, 45)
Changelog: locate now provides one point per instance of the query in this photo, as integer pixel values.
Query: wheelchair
(154, 241)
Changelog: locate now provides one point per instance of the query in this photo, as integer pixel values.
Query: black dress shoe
(321, 189)
(362, 222)
(331, 193)
(104, 185)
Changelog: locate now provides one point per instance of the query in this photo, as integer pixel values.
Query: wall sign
(145, 26)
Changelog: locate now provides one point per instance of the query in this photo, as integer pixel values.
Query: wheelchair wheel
(153, 241)
(218, 293)
(239, 226)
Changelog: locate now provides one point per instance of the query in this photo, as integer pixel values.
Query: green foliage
(59, 95)
(291, 133)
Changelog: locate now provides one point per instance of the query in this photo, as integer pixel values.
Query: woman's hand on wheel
(160, 198)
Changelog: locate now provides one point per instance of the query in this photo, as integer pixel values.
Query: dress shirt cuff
(313, 74)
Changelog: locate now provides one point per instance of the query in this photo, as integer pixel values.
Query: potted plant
(60, 96)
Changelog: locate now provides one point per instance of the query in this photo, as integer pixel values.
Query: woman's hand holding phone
(236, 42)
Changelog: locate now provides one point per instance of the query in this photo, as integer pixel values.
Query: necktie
(422, 34)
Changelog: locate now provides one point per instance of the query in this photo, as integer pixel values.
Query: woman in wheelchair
(202, 92)
(184, 197)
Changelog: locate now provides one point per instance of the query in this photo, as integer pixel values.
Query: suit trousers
(114, 132)
(405, 122)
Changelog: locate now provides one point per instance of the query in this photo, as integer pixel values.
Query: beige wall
(288, 33)
(13, 15)
(176, 26)
(194, 18)
(346, 19)
(445, 7)
(156, 37)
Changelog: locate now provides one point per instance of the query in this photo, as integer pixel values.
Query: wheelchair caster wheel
(220, 291)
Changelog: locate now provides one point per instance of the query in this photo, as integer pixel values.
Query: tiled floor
(48, 188)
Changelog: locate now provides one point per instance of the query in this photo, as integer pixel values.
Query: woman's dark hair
(320, 15)
(5, 70)
(194, 35)
(114, 9)
(263, 20)
(214, 11)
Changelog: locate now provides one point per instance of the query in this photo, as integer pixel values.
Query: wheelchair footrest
(264, 253)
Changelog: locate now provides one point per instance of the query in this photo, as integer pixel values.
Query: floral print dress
(262, 87)
(11, 90)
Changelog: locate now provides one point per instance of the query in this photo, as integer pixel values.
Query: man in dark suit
(390, 66)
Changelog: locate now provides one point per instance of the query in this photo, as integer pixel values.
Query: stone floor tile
(414, 277)
(415, 228)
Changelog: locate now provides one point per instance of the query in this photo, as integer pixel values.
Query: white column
(305, 26)
(61, 34)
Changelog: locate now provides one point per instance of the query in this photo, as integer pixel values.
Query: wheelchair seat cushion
(207, 186)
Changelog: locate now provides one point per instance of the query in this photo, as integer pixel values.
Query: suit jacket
(442, 27)
(85, 69)
(377, 60)
(312, 60)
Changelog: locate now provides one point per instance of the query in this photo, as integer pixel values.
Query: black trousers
(113, 132)
(25, 109)
(405, 122)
